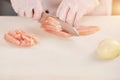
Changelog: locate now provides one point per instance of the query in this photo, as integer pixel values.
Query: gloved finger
(71, 16)
(14, 6)
(21, 12)
(29, 13)
(62, 12)
(37, 14)
(15, 9)
(78, 16)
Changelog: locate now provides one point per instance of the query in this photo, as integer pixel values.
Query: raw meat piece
(20, 38)
(87, 30)
(53, 26)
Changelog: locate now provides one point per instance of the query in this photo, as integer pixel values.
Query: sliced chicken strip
(20, 38)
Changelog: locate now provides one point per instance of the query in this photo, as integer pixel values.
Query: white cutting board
(56, 58)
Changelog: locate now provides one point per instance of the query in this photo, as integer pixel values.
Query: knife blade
(64, 25)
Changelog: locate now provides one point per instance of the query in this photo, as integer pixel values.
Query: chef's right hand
(28, 8)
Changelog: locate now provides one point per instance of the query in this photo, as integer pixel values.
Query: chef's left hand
(71, 11)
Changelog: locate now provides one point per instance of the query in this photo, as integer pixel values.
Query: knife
(64, 25)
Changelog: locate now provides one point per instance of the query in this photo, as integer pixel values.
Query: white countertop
(56, 58)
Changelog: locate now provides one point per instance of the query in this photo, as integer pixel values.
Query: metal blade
(69, 28)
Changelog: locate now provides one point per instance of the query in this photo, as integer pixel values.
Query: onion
(108, 49)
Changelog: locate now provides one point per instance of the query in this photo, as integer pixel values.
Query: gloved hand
(28, 8)
(71, 11)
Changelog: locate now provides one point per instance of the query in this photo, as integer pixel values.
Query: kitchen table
(56, 58)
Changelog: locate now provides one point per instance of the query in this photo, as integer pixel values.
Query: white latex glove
(71, 11)
(28, 8)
